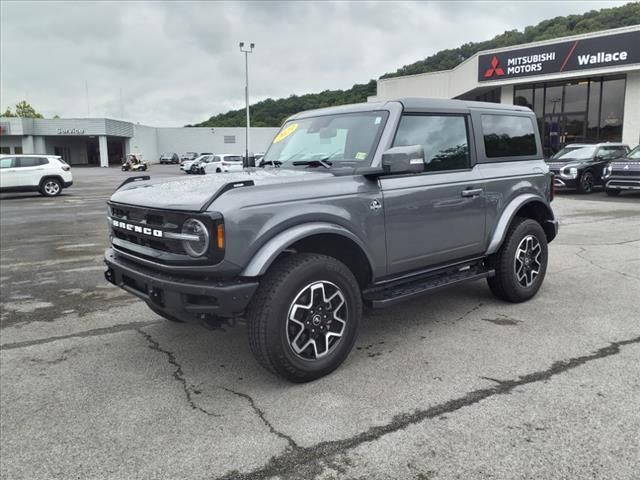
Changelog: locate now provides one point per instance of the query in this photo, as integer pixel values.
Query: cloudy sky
(169, 63)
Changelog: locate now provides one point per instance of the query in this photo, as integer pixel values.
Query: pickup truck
(367, 204)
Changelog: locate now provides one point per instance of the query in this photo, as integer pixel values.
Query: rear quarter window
(508, 136)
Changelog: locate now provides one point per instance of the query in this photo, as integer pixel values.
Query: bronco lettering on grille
(137, 229)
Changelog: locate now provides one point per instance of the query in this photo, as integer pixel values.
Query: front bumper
(188, 299)
(561, 182)
(623, 183)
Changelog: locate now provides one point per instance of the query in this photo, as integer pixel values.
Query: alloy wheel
(51, 188)
(317, 320)
(527, 260)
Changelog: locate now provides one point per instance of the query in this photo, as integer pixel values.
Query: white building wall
(506, 94)
(145, 141)
(631, 120)
(204, 139)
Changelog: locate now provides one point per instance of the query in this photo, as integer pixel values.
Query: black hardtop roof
(414, 104)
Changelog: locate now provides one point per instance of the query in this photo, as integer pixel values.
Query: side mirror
(409, 159)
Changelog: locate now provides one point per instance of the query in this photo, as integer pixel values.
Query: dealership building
(584, 88)
(104, 142)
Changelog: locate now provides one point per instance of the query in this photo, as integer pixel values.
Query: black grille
(152, 247)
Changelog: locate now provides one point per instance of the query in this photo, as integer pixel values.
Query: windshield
(564, 150)
(344, 139)
(578, 153)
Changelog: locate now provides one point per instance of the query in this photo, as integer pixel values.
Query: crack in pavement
(178, 374)
(309, 462)
(582, 251)
(87, 333)
(597, 244)
(292, 444)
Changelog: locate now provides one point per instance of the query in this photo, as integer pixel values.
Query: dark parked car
(168, 157)
(373, 204)
(581, 166)
(623, 174)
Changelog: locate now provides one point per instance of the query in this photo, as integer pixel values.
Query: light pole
(246, 93)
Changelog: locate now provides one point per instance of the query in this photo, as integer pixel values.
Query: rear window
(508, 136)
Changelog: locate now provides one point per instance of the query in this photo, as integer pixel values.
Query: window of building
(575, 96)
(229, 139)
(508, 136)
(523, 96)
(593, 112)
(17, 150)
(611, 109)
(5, 150)
(444, 139)
(553, 99)
(6, 162)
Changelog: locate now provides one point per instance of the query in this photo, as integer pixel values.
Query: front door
(436, 216)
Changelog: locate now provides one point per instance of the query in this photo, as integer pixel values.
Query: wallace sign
(588, 53)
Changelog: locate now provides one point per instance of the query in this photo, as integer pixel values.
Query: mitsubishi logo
(494, 69)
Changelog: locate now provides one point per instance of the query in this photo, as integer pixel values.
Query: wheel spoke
(317, 320)
(527, 263)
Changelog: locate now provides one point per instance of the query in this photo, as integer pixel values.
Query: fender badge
(375, 206)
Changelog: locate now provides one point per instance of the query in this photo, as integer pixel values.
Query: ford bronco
(369, 204)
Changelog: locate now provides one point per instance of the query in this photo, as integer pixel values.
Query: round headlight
(195, 248)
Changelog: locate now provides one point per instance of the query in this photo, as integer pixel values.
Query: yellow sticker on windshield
(361, 155)
(285, 133)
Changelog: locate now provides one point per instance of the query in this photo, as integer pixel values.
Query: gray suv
(369, 204)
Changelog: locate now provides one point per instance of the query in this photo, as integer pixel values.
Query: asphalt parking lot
(453, 385)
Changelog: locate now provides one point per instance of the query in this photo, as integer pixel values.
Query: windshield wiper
(314, 163)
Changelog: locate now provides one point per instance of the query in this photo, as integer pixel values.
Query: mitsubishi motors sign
(585, 54)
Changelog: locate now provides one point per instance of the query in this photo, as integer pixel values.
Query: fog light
(195, 248)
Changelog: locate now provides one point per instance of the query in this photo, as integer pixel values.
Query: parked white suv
(224, 163)
(47, 174)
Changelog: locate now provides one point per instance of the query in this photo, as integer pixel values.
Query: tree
(25, 110)
(8, 113)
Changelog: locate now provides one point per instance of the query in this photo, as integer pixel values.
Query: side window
(444, 139)
(216, 158)
(612, 152)
(508, 136)
(31, 161)
(6, 162)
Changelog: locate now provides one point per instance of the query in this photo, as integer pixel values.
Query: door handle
(471, 192)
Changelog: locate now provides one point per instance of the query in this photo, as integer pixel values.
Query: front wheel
(586, 182)
(304, 318)
(521, 263)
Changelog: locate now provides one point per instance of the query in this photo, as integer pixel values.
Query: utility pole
(246, 94)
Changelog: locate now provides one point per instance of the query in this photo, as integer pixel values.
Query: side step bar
(385, 296)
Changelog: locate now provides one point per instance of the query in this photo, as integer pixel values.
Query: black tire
(218, 170)
(612, 193)
(586, 182)
(50, 187)
(271, 328)
(166, 316)
(505, 284)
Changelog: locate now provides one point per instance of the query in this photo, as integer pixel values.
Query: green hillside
(271, 113)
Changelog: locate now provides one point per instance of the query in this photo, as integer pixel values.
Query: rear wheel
(586, 182)
(304, 318)
(51, 187)
(612, 193)
(521, 263)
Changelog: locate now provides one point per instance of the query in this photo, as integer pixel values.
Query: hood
(196, 193)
